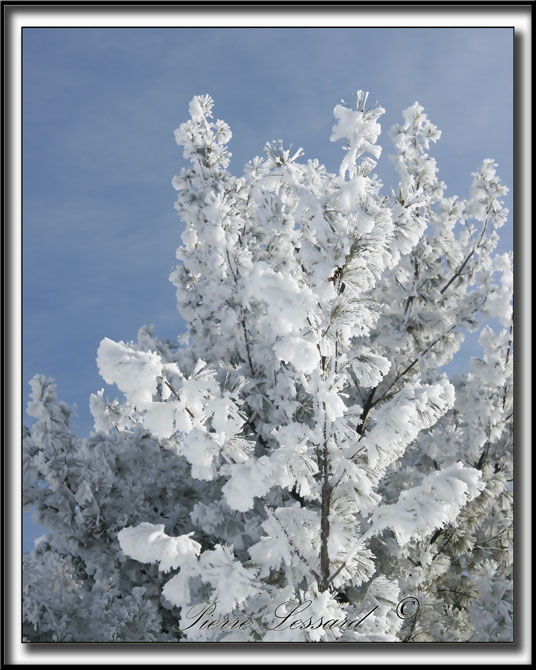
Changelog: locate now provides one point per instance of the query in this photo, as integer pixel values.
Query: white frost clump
(360, 130)
(134, 372)
(148, 543)
(433, 504)
(303, 355)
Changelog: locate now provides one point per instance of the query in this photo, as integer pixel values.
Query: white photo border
(16, 16)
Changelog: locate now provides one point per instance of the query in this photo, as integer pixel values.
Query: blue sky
(99, 110)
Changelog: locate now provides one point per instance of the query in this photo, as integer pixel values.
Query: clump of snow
(360, 130)
(148, 543)
(436, 502)
(134, 372)
(303, 355)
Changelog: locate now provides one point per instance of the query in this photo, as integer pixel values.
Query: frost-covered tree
(298, 463)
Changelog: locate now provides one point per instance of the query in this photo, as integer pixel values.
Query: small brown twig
(177, 396)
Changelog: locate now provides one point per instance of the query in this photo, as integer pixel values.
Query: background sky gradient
(99, 110)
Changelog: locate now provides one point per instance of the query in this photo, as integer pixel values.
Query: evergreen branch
(178, 397)
(412, 364)
(290, 541)
(325, 510)
(460, 269)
